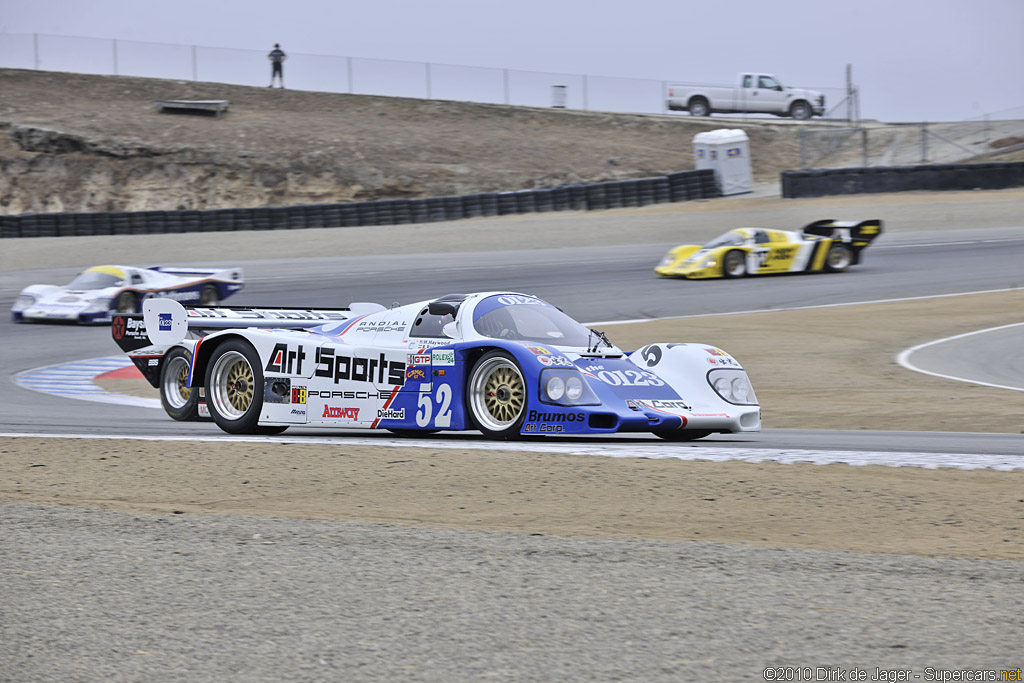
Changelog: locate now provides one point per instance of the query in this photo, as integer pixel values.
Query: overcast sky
(914, 60)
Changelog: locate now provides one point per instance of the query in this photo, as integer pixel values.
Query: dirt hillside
(74, 142)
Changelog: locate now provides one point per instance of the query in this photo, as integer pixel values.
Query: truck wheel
(838, 258)
(800, 110)
(734, 264)
(699, 107)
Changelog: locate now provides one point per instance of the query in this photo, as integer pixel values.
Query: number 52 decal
(425, 407)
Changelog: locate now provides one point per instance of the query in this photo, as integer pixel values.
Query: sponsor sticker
(541, 428)
(285, 360)
(299, 394)
(539, 416)
(555, 361)
(391, 414)
(165, 322)
(357, 368)
(341, 413)
(444, 357)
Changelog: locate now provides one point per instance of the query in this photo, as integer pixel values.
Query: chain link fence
(339, 74)
(872, 144)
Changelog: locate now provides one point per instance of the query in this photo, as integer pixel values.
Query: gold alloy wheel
(498, 393)
(176, 390)
(232, 380)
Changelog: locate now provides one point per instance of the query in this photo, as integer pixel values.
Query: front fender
(686, 367)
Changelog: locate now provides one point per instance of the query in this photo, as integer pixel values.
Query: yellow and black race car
(826, 245)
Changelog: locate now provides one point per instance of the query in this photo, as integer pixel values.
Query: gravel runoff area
(95, 595)
(382, 564)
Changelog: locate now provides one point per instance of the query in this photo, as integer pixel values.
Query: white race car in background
(101, 291)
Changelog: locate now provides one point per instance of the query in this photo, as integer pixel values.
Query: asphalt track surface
(591, 283)
(92, 595)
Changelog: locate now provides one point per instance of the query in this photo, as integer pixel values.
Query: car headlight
(97, 306)
(22, 302)
(709, 262)
(566, 387)
(733, 386)
(573, 388)
(555, 387)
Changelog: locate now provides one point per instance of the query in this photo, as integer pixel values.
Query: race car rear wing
(860, 234)
(165, 322)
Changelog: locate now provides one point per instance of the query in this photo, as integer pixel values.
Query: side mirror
(441, 308)
(451, 330)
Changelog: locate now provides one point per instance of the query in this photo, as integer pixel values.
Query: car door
(779, 252)
(768, 95)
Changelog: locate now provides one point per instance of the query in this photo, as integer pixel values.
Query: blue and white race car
(98, 292)
(503, 363)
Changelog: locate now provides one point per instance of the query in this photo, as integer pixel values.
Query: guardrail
(823, 182)
(673, 187)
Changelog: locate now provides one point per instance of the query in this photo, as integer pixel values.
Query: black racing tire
(699, 106)
(179, 401)
(412, 433)
(127, 302)
(838, 258)
(234, 388)
(270, 431)
(801, 110)
(680, 434)
(734, 264)
(209, 296)
(497, 395)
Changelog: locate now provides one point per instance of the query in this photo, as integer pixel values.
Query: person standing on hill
(277, 57)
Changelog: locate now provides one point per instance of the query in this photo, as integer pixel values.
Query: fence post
(864, 145)
(586, 102)
(348, 67)
(195, 65)
(663, 105)
(924, 142)
(427, 65)
(114, 44)
(504, 75)
(35, 50)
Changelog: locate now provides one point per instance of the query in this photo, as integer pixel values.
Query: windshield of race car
(527, 318)
(729, 239)
(97, 279)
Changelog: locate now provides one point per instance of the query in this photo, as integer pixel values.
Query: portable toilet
(727, 153)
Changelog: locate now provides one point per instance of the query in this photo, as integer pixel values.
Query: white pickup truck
(755, 93)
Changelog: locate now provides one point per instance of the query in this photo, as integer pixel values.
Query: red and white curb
(77, 380)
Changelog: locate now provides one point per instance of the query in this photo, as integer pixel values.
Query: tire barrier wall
(612, 194)
(819, 183)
